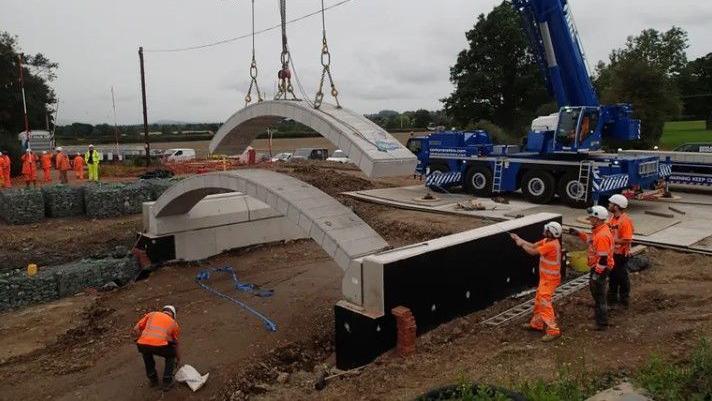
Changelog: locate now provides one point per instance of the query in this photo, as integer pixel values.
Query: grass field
(678, 132)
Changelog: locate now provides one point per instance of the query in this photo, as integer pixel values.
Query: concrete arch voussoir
(370, 147)
(340, 232)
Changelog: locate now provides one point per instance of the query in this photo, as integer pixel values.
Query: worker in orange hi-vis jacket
(29, 168)
(6, 164)
(157, 334)
(46, 163)
(78, 166)
(622, 229)
(549, 251)
(600, 260)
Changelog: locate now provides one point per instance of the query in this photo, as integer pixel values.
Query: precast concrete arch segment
(340, 232)
(370, 147)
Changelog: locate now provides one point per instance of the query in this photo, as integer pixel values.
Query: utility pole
(145, 114)
(24, 102)
(116, 128)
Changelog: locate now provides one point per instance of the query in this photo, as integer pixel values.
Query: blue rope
(204, 275)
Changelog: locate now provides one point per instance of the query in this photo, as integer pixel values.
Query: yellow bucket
(31, 269)
(578, 260)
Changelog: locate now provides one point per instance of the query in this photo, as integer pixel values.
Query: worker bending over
(549, 251)
(157, 334)
(6, 164)
(29, 168)
(600, 260)
(622, 229)
(46, 163)
(92, 158)
(78, 166)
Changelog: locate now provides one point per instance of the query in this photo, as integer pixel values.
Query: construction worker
(46, 163)
(92, 158)
(2, 168)
(78, 163)
(6, 166)
(549, 251)
(600, 260)
(622, 229)
(62, 164)
(157, 334)
(29, 168)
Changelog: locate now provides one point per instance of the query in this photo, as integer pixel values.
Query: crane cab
(571, 130)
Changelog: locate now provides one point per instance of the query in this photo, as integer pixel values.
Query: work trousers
(168, 352)
(544, 315)
(93, 169)
(597, 284)
(619, 282)
(63, 177)
(7, 180)
(47, 175)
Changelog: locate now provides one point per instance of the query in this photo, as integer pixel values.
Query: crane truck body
(562, 152)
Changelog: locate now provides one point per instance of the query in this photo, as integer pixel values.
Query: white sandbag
(191, 377)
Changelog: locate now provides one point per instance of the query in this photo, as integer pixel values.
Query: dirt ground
(79, 348)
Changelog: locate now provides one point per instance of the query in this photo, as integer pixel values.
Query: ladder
(497, 177)
(584, 178)
(526, 308)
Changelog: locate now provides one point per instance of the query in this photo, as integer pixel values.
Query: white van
(178, 155)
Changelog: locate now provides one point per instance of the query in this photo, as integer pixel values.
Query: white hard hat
(44, 152)
(598, 212)
(553, 228)
(91, 146)
(619, 200)
(28, 150)
(171, 309)
(655, 148)
(59, 149)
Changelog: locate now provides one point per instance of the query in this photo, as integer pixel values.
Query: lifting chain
(253, 66)
(284, 75)
(326, 67)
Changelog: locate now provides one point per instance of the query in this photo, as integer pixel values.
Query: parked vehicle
(178, 155)
(700, 147)
(339, 156)
(310, 154)
(282, 157)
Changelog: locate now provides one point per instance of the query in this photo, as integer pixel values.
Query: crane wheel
(539, 186)
(478, 181)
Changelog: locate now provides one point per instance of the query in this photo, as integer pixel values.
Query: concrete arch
(370, 147)
(340, 232)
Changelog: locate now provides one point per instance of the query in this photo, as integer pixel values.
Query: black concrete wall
(438, 286)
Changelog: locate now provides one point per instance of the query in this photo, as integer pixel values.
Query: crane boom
(557, 48)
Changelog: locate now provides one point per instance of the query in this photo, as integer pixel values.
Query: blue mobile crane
(562, 152)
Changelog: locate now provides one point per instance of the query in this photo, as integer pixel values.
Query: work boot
(550, 337)
(167, 385)
(153, 381)
(527, 326)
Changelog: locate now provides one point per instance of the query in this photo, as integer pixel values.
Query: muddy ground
(79, 348)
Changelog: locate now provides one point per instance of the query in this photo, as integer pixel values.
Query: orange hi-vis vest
(157, 329)
(622, 229)
(600, 244)
(549, 259)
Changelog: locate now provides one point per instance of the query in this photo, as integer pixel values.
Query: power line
(245, 36)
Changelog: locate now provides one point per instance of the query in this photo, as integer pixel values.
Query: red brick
(406, 330)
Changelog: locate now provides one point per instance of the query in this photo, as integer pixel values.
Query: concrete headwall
(18, 289)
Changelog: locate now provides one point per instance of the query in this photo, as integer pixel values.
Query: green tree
(644, 74)
(38, 72)
(496, 78)
(421, 118)
(695, 84)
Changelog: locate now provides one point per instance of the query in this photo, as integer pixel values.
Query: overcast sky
(386, 54)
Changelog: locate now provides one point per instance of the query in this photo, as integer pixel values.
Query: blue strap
(204, 275)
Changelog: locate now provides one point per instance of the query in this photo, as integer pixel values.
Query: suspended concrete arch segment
(370, 147)
(340, 232)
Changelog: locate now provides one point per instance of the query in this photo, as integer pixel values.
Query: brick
(406, 331)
